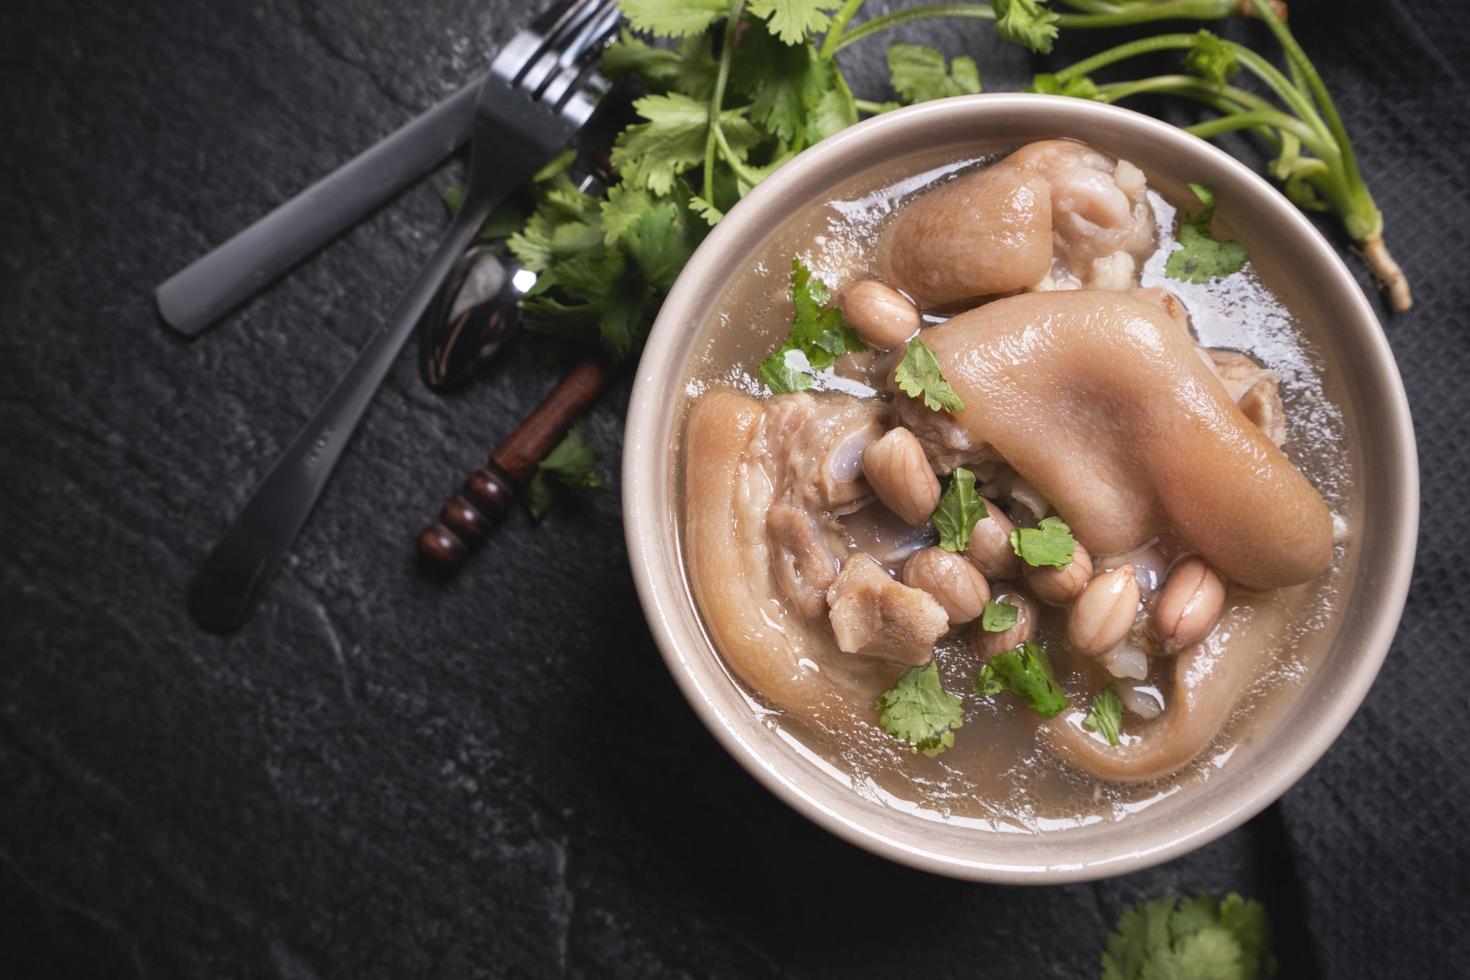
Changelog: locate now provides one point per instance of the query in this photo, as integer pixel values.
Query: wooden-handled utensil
(488, 495)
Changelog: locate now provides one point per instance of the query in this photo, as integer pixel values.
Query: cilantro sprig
(1025, 672)
(918, 376)
(1049, 543)
(999, 616)
(818, 336)
(919, 73)
(960, 508)
(572, 465)
(1105, 716)
(1200, 256)
(1222, 939)
(918, 710)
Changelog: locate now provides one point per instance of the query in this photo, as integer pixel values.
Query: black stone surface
(382, 777)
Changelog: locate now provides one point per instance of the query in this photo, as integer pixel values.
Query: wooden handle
(489, 495)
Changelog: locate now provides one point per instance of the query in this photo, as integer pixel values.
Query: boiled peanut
(951, 579)
(1189, 604)
(899, 473)
(1103, 614)
(990, 545)
(880, 315)
(1059, 586)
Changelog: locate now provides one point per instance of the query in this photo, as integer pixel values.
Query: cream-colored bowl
(1306, 269)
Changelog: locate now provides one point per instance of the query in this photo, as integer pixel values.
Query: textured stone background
(380, 777)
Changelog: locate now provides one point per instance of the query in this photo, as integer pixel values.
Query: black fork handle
(232, 272)
(226, 589)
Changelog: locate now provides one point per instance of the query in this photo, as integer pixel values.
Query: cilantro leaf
(1200, 938)
(1106, 715)
(783, 82)
(1049, 543)
(706, 210)
(1027, 23)
(1026, 672)
(603, 266)
(673, 18)
(918, 376)
(999, 616)
(960, 509)
(572, 465)
(1077, 88)
(919, 711)
(781, 375)
(1211, 58)
(1200, 256)
(659, 243)
(689, 68)
(651, 154)
(918, 73)
(834, 111)
(818, 334)
(793, 21)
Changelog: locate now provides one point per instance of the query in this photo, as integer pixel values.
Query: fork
(540, 91)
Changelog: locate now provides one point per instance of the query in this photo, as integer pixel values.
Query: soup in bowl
(1020, 487)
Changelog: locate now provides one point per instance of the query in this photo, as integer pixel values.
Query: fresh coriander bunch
(1202, 937)
(732, 90)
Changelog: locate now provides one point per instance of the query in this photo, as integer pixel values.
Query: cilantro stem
(1094, 14)
(871, 108)
(1306, 74)
(713, 135)
(742, 170)
(976, 11)
(1289, 94)
(1226, 99)
(838, 25)
(1114, 15)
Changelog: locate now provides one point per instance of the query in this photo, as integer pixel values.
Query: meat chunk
(760, 541)
(983, 233)
(1254, 388)
(813, 445)
(1099, 401)
(875, 616)
(1052, 210)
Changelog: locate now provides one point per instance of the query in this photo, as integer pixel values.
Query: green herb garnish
(572, 465)
(999, 616)
(960, 508)
(1048, 543)
(817, 331)
(918, 73)
(1200, 256)
(918, 376)
(1024, 671)
(1027, 23)
(919, 711)
(1106, 715)
(1201, 937)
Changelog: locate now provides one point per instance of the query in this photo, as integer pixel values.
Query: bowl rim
(642, 525)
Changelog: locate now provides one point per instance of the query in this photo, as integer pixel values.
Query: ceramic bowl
(1302, 265)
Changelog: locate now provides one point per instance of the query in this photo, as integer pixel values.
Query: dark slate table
(380, 777)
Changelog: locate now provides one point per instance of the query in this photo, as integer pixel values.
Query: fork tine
(533, 76)
(527, 47)
(576, 59)
(578, 62)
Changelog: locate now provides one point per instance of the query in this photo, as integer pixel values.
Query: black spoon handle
(236, 572)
